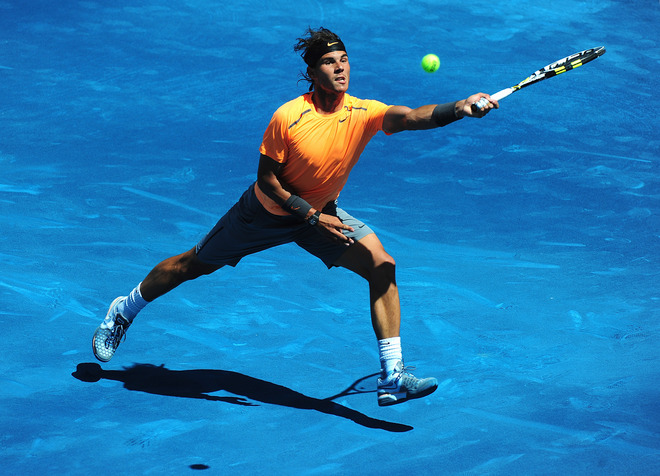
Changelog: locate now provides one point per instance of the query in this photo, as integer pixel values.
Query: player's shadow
(200, 383)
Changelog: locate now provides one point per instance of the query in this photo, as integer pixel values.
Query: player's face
(332, 72)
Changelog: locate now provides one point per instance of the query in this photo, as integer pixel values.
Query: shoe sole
(98, 357)
(390, 399)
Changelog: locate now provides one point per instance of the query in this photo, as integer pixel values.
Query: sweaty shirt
(319, 151)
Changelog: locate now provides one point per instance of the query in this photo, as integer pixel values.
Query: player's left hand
(469, 107)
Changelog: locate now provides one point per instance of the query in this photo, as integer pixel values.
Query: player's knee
(200, 268)
(188, 266)
(384, 270)
(387, 264)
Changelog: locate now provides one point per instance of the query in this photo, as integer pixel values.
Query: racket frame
(553, 69)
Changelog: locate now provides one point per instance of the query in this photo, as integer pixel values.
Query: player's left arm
(402, 118)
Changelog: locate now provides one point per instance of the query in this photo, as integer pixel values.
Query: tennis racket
(553, 69)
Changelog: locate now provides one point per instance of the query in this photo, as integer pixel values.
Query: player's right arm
(269, 182)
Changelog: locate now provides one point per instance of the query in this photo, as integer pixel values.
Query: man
(307, 153)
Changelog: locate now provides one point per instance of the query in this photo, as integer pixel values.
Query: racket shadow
(199, 383)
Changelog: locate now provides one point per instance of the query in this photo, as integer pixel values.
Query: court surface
(527, 243)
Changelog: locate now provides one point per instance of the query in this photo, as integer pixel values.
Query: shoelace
(407, 379)
(116, 336)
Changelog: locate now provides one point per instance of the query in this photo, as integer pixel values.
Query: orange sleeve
(275, 141)
(378, 110)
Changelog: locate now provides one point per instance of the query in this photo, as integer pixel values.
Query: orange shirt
(319, 151)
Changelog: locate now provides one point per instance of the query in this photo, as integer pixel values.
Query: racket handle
(480, 103)
(497, 96)
(502, 94)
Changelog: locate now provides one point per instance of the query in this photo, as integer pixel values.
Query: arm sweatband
(297, 206)
(444, 114)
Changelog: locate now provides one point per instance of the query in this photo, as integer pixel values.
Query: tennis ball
(430, 63)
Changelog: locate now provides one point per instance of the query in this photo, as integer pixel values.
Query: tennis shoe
(110, 333)
(401, 385)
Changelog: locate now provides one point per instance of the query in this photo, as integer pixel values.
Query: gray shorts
(249, 228)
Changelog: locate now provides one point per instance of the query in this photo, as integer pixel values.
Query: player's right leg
(166, 276)
(173, 271)
(245, 229)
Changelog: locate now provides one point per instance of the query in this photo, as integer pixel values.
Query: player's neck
(327, 103)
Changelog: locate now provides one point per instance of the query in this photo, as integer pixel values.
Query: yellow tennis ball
(430, 63)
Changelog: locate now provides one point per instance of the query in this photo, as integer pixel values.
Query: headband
(316, 51)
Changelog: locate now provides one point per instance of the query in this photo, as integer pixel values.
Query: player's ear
(311, 73)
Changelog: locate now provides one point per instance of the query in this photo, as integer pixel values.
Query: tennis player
(307, 153)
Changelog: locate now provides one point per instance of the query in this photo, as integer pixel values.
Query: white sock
(133, 304)
(390, 354)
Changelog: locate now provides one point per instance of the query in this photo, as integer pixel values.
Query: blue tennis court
(527, 242)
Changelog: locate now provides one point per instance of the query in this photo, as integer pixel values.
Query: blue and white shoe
(110, 333)
(401, 385)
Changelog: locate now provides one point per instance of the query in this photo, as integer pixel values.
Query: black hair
(313, 45)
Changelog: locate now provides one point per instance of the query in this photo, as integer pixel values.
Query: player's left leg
(369, 259)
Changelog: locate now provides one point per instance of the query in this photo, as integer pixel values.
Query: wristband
(297, 206)
(444, 114)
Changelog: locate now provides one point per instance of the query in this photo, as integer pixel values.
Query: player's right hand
(332, 227)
